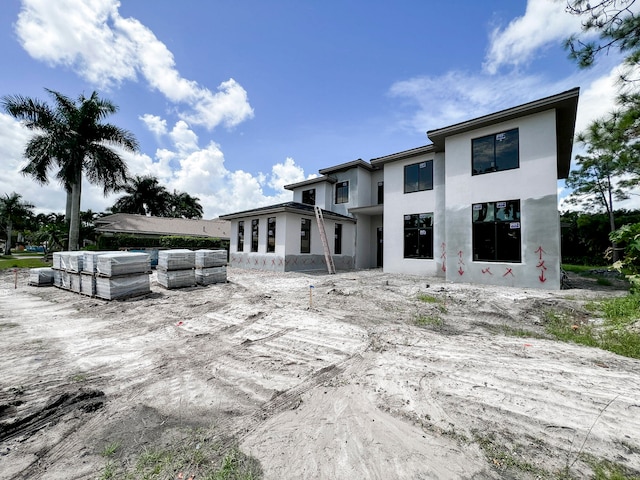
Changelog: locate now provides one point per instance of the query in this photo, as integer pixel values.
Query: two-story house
(477, 205)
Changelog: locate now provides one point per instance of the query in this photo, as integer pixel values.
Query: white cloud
(106, 49)
(544, 23)
(155, 124)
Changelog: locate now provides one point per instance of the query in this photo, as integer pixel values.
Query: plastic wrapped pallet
(111, 288)
(210, 258)
(209, 276)
(75, 280)
(72, 261)
(57, 278)
(57, 261)
(122, 263)
(40, 277)
(65, 280)
(176, 278)
(88, 284)
(176, 259)
(89, 261)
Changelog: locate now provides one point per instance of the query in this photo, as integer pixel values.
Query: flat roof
(310, 181)
(414, 152)
(565, 104)
(345, 166)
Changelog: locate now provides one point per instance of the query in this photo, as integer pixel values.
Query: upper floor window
(342, 192)
(271, 234)
(309, 196)
(305, 236)
(240, 246)
(418, 177)
(496, 231)
(418, 235)
(254, 234)
(380, 193)
(497, 152)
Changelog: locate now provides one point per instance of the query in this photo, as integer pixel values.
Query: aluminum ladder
(331, 268)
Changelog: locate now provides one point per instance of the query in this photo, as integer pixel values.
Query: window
(342, 192)
(418, 177)
(418, 235)
(305, 236)
(337, 246)
(495, 152)
(496, 231)
(240, 247)
(271, 234)
(380, 193)
(254, 235)
(309, 196)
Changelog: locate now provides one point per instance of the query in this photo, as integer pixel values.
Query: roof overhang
(310, 181)
(286, 208)
(369, 210)
(565, 104)
(414, 152)
(346, 166)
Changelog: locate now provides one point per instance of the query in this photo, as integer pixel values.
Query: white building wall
(397, 204)
(533, 183)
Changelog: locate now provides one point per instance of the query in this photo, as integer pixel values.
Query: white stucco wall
(397, 204)
(533, 183)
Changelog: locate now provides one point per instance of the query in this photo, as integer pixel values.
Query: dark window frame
(240, 246)
(305, 235)
(271, 234)
(309, 196)
(255, 234)
(337, 243)
(380, 193)
(418, 177)
(418, 236)
(489, 154)
(342, 192)
(497, 231)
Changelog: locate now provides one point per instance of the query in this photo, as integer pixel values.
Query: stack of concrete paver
(89, 271)
(211, 266)
(40, 277)
(122, 274)
(66, 270)
(175, 268)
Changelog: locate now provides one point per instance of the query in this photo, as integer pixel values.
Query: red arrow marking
(542, 277)
(540, 251)
(461, 271)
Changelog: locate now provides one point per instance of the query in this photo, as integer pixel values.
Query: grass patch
(429, 321)
(607, 470)
(423, 297)
(614, 334)
(10, 262)
(507, 458)
(194, 455)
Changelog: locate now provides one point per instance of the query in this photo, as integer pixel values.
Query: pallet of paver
(88, 284)
(65, 280)
(210, 258)
(75, 282)
(57, 260)
(111, 288)
(176, 278)
(72, 261)
(57, 278)
(176, 259)
(209, 276)
(122, 263)
(89, 260)
(40, 277)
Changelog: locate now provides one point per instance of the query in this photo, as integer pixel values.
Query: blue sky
(232, 100)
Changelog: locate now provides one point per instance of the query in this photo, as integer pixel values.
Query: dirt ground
(359, 380)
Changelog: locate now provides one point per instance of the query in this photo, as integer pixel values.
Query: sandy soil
(350, 387)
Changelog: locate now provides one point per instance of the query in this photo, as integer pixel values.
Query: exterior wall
(397, 204)
(533, 183)
(287, 256)
(359, 190)
(324, 191)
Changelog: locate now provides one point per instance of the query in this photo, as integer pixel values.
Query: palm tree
(12, 212)
(144, 196)
(71, 137)
(183, 205)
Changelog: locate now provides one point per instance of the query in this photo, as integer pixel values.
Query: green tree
(71, 137)
(143, 196)
(13, 212)
(183, 205)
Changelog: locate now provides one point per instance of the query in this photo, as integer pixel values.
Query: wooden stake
(310, 296)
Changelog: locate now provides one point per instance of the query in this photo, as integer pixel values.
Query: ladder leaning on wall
(331, 268)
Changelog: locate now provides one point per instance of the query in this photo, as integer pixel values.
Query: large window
(337, 246)
(495, 152)
(305, 236)
(309, 196)
(271, 234)
(496, 231)
(254, 235)
(342, 192)
(240, 247)
(380, 193)
(418, 235)
(418, 177)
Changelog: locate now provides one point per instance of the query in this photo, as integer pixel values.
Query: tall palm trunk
(67, 213)
(7, 246)
(74, 224)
